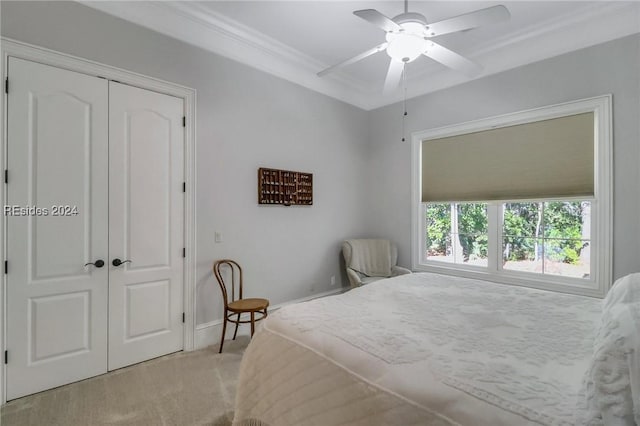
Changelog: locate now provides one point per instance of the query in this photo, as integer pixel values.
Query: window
(457, 233)
(523, 199)
(551, 238)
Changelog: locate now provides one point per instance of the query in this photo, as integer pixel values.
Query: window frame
(601, 204)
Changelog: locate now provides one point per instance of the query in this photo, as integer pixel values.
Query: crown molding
(195, 24)
(190, 22)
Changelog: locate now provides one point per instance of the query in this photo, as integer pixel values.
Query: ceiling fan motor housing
(411, 41)
(410, 17)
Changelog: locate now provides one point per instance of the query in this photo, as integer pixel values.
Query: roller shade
(543, 159)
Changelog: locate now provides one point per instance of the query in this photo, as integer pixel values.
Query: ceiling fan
(409, 36)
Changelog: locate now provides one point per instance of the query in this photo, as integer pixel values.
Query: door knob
(98, 263)
(118, 262)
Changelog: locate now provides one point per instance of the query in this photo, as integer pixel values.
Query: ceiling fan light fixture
(409, 43)
(408, 36)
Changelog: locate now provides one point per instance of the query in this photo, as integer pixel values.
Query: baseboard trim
(208, 334)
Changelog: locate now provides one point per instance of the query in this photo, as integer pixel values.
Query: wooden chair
(236, 307)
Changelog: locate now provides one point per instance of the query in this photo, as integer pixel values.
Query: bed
(428, 349)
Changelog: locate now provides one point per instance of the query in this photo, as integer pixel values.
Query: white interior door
(146, 203)
(57, 160)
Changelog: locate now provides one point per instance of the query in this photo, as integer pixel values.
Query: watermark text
(55, 210)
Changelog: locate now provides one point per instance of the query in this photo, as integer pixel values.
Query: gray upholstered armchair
(369, 260)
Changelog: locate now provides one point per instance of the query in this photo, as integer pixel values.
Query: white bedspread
(421, 349)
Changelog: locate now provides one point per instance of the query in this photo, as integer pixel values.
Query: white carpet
(186, 388)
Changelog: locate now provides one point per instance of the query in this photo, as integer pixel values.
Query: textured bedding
(610, 394)
(420, 349)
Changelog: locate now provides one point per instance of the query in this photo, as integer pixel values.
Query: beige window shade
(544, 159)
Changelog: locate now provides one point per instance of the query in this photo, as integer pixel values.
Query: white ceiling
(296, 39)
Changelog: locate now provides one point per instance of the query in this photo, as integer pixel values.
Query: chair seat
(248, 305)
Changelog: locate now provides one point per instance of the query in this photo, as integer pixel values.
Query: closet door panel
(56, 212)
(148, 214)
(146, 224)
(61, 134)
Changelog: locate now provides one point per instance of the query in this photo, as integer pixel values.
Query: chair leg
(237, 324)
(253, 314)
(224, 330)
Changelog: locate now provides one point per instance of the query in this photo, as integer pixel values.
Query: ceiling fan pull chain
(404, 99)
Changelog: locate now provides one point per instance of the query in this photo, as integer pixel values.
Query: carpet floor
(186, 388)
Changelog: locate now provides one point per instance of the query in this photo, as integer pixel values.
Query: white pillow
(610, 394)
(624, 290)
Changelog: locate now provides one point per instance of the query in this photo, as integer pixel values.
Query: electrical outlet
(333, 280)
(218, 237)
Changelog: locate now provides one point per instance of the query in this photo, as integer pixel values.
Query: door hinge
(184, 186)
(183, 318)
(6, 85)
(184, 252)
(6, 266)
(6, 357)
(6, 176)
(184, 121)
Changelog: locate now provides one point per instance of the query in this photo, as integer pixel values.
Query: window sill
(554, 283)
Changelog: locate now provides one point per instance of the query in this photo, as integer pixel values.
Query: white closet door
(146, 144)
(57, 156)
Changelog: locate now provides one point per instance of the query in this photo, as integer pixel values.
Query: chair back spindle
(231, 270)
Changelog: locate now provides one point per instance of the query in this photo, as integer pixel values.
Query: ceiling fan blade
(394, 74)
(452, 59)
(467, 21)
(355, 59)
(377, 19)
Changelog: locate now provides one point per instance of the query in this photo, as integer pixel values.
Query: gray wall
(612, 67)
(245, 119)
